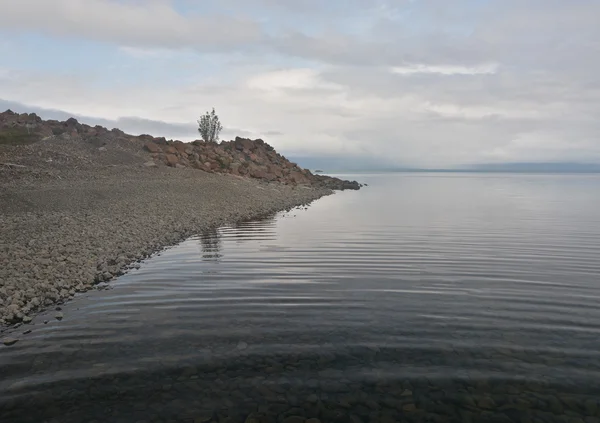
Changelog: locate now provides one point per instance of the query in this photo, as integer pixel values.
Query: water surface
(422, 297)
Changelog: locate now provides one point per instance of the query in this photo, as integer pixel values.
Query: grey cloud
(541, 104)
(152, 24)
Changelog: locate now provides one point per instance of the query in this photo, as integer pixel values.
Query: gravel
(65, 232)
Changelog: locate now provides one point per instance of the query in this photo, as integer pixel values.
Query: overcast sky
(411, 82)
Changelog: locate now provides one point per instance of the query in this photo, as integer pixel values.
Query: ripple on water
(421, 298)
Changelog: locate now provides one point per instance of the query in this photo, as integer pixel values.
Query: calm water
(422, 297)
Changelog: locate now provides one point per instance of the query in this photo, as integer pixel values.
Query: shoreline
(79, 204)
(65, 235)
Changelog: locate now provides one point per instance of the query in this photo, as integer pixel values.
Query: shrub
(209, 127)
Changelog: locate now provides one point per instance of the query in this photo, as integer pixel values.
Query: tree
(209, 126)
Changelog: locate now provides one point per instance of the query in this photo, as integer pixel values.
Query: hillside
(30, 144)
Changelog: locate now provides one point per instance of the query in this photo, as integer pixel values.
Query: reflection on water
(210, 242)
(423, 298)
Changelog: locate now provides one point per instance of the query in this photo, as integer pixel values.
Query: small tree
(209, 126)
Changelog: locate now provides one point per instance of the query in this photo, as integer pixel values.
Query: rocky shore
(81, 205)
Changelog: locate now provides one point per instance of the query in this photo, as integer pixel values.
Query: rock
(169, 149)
(242, 345)
(27, 332)
(294, 419)
(406, 393)
(242, 144)
(58, 316)
(171, 160)
(258, 173)
(409, 408)
(312, 398)
(486, 403)
(180, 147)
(9, 341)
(102, 149)
(153, 148)
(27, 319)
(298, 177)
(150, 163)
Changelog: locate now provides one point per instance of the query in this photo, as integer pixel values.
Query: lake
(421, 297)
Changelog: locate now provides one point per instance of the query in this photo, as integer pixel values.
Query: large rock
(152, 147)
(242, 144)
(169, 149)
(299, 178)
(171, 160)
(180, 147)
(276, 170)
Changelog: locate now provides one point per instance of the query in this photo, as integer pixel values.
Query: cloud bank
(417, 83)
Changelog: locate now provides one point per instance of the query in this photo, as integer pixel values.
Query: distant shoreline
(531, 172)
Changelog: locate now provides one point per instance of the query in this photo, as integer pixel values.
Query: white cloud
(484, 69)
(289, 79)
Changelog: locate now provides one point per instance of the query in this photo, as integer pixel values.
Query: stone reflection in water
(252, 230)
(210, 242)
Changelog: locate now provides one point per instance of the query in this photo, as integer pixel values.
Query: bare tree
(209, 126)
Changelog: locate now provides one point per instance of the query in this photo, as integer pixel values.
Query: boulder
(258, 173)
(180, 147)
(171, 160)
(242, 144)
(152, 147)
(298, 178)
(276, 170)
(270, 177)
(169, 149)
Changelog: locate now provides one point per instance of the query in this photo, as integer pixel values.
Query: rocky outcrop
(241, 157)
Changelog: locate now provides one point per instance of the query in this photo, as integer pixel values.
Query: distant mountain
(330, 164)
(525, 167)
(362, 165)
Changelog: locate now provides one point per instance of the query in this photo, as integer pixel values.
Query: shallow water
(422, 297)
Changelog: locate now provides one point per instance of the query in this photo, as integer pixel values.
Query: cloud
(152, 23)
(417, 83)
(446, 69)
(145, 53)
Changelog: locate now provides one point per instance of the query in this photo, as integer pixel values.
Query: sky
(417, 83)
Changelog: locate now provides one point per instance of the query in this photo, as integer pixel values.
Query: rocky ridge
(241, 157)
